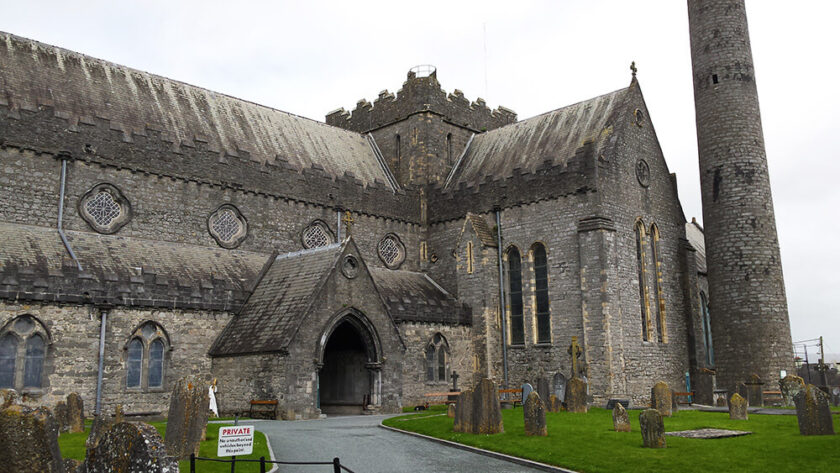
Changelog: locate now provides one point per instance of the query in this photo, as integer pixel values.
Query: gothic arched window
(657, 284)
(707, 329)
(23, 351)
(156, 364)
(34, 364)
(469, 257)
(517, 322)
(134, 364)
(437, 359)
(145, 360)
(449, 156)
(541, 292)
(642, 275)
(8, 354)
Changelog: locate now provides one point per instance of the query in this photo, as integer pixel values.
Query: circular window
(350, 266)
(639, 117)
(643, 173)
(316, 235)
(391, 251)
(227, 226)
(104, 208)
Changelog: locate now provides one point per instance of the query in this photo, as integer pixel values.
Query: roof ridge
(308, 251)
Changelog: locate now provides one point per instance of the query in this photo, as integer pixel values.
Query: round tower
(749, 313)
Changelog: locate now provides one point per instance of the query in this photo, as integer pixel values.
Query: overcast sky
(312, 57)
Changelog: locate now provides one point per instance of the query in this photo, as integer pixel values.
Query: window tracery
(23, 351)
(391, 251)
(146, 357)
(437, 359)
(316, 235)
(227, 226)
(105, 208)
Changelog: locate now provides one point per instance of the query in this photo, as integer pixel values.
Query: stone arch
(40, 326)
(164, 334)
(362, 324)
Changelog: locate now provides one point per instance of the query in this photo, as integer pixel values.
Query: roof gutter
(60, 228)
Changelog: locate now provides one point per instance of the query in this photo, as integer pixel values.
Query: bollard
(262, 464)
(192, 462)
(336, 465)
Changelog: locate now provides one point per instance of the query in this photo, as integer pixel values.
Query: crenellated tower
(749, 312)
(421, 130)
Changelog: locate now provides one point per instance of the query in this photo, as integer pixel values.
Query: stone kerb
(576, 400)
(653, 429)
(790, 386)
(621, 420)
(660, 399)
(738, 407)
(29, 441)
(130, 448)
(187, 418)
(534, 411)
(813, 412)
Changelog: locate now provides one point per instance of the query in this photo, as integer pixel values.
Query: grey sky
(311, 57)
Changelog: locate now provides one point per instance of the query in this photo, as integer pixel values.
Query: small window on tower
(714, 78)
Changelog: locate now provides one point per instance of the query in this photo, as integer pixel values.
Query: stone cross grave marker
(455, 377)
(575, 352)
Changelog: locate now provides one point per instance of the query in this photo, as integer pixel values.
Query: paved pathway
(366, 448)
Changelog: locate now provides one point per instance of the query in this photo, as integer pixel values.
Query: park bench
(449, 396)
(511, 395)
(689, 397)
(264, 407)
(773, 398)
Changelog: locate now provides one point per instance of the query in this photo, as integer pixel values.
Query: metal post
(502, 297)
(233, 458)
(822, 364)
(103, 320)
(192, 462)
(336, 465)
(262, 464)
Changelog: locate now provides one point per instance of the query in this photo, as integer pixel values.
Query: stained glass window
(34, 365)
(134, 366)
(8, 353)
(156, 364)
(517, 322)
(541, 292)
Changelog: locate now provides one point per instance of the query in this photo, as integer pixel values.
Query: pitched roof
(415, 297)
(83, 88)
(697, 239)
(525, 145)
(270, 316)
(34, 265)
(482, 230)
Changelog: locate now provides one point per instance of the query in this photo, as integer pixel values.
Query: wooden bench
(450, 397)
(264, 407)
(775, 397)
(689, 395)
(515, 396)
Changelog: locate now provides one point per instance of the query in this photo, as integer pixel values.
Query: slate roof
(525, 145)
(415, 297)
(83, 88)
(482, 230)
(269, 318)
(34, 265)
(696, 237)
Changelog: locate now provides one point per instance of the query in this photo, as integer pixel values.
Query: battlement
(421, 92)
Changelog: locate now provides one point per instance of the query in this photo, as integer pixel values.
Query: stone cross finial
(633, 68)
(348, 222)
(575, 352)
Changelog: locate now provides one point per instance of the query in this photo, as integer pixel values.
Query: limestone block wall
(417, 337)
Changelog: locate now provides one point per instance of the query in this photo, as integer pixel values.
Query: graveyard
(602, 440)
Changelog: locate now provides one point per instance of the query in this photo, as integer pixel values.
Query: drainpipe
(102, 322)
(338, 225)
(502, 295)
(61, 212)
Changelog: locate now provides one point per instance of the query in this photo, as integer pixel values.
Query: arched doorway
(348, 379)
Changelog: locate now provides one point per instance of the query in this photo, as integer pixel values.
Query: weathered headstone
(742, 389)
(554, 404)
(450, 411)
(75, 413)
(100, 425)
(738, 407)
(790, 385)
(543, 389)
(60, 414)
(576, 396)
(72, 466)
(526, 391)
(29, 440)
(755, 391)
(559, 383)
(653, 429)
(621, 420)
(463, 412)
(130, 448)
(812, 412)
(534, 411)
(660, 399)
(487, 412)
(118, 413)
(187, 418)
(8, 397)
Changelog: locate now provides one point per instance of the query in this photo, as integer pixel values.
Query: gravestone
(187, 418)
(72, 466)
(526, 391)
(660, 398)
(812, 412)
(60, 414)
(675, 404)
(738, 407)
(75, 413)
(755, 391)
(487, 412)
(653, 429)
(543, 389)
(29, 441)
(8, 397)
(100, 425)
(554, 404)
(118, 413)
(621, 420)
(534, 411)
(576, 396)
(741, 388)
(463, 412)
(559, 385)
(130, 448)
(790, 385)
(450, 411)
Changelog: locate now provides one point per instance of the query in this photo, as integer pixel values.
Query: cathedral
(153, 230)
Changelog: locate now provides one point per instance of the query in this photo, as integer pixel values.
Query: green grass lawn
(587, 443)
(73, 446)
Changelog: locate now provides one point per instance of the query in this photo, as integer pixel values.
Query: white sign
(236, 440)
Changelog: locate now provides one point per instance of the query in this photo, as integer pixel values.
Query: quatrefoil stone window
(391, 251)
(105, 208)
(227, 226)
(316, 235)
